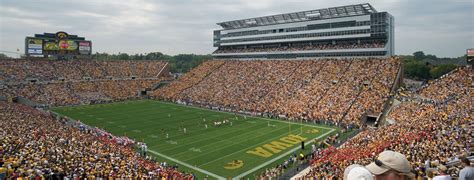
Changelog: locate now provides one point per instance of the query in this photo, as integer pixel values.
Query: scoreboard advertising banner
(35, 46)
(58, 43)
(470, 56)
(85, 47)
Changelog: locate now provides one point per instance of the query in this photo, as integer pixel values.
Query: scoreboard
(60, 43)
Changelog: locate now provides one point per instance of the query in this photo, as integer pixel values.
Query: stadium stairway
(357, 97)
(160, 85)
(392, 102)
(163, 68)
(389, 103)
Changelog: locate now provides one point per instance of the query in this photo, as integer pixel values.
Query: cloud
(438, 27)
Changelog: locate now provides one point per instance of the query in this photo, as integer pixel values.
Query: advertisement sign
(35, 46)
(84, 47)
(470, 56)
(35, 51)
(470, 52)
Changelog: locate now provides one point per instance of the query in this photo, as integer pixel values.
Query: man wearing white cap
(357, 172)
(391, 165)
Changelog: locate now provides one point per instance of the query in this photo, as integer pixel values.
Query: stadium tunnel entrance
(371, 119)
(144, 92)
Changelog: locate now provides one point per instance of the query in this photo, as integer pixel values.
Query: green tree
(430, 56)
(419, 55)
(440, 70)
(4, 56)
(123, 56)
(417, 70)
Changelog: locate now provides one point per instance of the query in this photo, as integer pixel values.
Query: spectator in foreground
(391, 165)
(467, 172)
(357, 172)
(442, 173)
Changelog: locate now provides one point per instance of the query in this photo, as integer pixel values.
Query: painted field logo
(312, 131)
(276, 146)
(235, 164)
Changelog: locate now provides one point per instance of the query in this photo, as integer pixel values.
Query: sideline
(279, 157)
(186, 164)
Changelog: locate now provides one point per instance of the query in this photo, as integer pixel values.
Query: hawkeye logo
(61, 35)
(274, 147)
(235, 164)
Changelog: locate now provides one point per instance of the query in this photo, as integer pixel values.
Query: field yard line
(257, 117)
(241, 149)
(284, 121)
(187, 165)
(279, 157)
(195, 137)
(222, 140)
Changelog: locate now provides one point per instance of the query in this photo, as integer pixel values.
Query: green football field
(237, 147)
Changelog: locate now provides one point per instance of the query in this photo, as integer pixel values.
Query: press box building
(273, 36)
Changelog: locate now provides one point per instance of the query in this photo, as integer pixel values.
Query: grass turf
(204, 151)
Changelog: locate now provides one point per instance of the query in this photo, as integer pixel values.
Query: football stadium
(308, 95)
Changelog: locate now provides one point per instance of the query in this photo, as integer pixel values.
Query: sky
(444, 28)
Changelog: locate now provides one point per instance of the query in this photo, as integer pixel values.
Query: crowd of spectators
(187, 80)
(58, 83)
(80, 92)
(303, 47)
(36, 145)
(279, 169)
(337, 91)
(318, 90)
(429, 134)
(19, 70)
(441, 89)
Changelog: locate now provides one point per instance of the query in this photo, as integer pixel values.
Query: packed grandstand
(346, 79)
(333, 91)
(76, 82)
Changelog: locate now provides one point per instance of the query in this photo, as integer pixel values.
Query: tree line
(421, 66)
